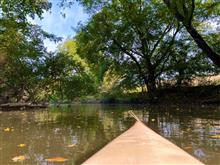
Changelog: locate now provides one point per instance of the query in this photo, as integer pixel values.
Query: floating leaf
(152, 120)
(56, 159)
(78, 126)
(71, 145)
(21, 145)
(19, 158)
(216, 137)
(8, 129)
(188, 148)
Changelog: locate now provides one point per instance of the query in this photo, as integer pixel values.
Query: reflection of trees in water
(191, 131)
(90, 127)
(48, 133)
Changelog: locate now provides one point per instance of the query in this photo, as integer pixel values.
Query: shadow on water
(77, 132)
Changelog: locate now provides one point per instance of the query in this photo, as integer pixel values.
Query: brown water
(78, 132)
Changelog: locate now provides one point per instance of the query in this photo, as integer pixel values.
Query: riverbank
(173, 96)
(21, 106)
(196, 95)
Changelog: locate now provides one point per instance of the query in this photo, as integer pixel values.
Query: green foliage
(146, 51)
(69, 75)
(21, 48)
(123, 34)
(191, 14)
(29, 73)
(125, 46)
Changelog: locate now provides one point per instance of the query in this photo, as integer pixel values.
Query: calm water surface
(77, 132)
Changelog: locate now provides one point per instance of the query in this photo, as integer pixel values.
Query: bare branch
(192, 11)
(168, 48)
(167, 29)
(131, 56)
(174, 10)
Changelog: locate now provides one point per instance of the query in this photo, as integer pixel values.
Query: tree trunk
(151, 87)
(214, 56)
(180, 77)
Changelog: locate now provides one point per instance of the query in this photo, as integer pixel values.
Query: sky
(53, 22)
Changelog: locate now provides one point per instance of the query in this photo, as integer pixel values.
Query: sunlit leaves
(70, 48)
(67, 75)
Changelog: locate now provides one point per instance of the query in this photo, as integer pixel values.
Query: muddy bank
(21, 106)
(200, 95)
(175, 96)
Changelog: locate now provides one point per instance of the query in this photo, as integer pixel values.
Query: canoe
(141, 145)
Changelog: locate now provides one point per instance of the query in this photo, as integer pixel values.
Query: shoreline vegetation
(120, 55)
(21, 106)
(199, 95)
(70, 70)
(208, 95)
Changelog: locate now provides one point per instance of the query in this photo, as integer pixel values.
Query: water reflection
(76, 133)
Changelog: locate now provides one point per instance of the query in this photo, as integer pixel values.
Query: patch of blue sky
(53, 22)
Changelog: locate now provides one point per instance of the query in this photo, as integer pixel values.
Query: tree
(68, 75)
(23, 54)
(188, 63)
(15, 29)
(189, 12)
(21, 47)
(122, 33)
(184, 12)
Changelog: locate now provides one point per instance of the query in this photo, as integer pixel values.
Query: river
(77, 132)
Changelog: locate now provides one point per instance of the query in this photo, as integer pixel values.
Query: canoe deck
(141, 145)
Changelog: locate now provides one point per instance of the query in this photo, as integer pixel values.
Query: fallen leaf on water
(188, 148)
(78, 126)
(19, 158)
(56, 159)
(21, 145)
(216, 137)
(153, 120)
(7, 129)
(71, 145)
